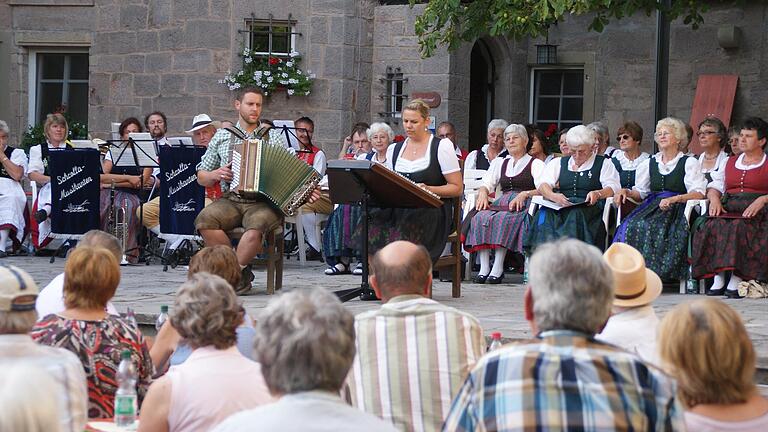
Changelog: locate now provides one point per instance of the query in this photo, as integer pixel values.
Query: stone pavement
(498, 307)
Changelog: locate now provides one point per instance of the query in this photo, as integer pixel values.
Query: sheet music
(146, 156)
(84, 144)
(540, 200)
(121, 154)
(292, 141)
(181, 141)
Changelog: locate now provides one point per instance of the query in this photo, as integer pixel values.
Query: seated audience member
(354, 146)
(452, 342)
(602, 139)
(17, 317)
(51, 298)
(734, 238)
(56, 132)
(733, 141)
(684, 144)
(313, 156)
(481, 159)
(216, 381)
(13, 201)
(564, 379)
(91, 276)
(538, 147)
(582, 177)
(563, 143)
(28, 401)
(633, 322)
(628, 157)
(705, 346)
(664, 182)
(338, 246)
(305, 342)
(501, 226)
(446, 129)
(380, 135)
(221, 261)
(203, 129)
(128, 183)
(713, 136)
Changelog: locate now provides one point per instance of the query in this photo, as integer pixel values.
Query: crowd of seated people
(412, 364)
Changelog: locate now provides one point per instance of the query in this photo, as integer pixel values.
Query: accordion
(270, 171)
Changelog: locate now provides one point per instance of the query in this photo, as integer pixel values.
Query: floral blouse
(98, 345)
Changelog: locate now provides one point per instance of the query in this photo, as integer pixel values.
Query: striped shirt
(565, 381)
(412, 357)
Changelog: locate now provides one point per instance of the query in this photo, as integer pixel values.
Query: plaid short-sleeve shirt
(565, 381)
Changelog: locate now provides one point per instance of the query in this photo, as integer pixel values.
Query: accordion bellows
(270, 171)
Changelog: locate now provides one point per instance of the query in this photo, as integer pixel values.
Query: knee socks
(498, 262)
(485, 261)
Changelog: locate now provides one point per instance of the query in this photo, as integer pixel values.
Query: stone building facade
(169, 55)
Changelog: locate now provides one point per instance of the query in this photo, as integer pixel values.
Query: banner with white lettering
(74, 190)
(181, 197)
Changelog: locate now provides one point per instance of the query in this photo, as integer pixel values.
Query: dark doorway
(482, 74)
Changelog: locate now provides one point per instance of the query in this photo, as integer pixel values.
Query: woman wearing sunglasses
(627, 160)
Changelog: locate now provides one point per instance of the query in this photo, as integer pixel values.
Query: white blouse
(471, 161)
(626, 164)
(722, 158)
(493, 175)
(446, 156)
(694, 179)
(718, 177)
(609, 176)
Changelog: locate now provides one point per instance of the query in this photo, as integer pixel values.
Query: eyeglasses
(623, 137)
(704, 133)
(663, 133)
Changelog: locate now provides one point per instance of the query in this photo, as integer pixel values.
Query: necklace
(706, 157)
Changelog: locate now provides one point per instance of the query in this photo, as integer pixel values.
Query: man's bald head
(401, 268)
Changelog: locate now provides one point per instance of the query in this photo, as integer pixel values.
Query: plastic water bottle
(691, 285)
(525, 269)
(162, 318)
(495, 341)
(125, 398)
(130, 315)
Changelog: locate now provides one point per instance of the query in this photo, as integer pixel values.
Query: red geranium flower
(274, 60)
(399, 138)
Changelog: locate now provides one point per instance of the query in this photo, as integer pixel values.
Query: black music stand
(139, 157)
(357, 182)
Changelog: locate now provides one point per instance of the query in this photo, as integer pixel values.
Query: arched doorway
(482, 76)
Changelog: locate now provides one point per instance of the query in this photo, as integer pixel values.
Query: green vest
(672, 182)
(576, 185)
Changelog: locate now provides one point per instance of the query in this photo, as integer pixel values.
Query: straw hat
(636, 285)
(202, 120)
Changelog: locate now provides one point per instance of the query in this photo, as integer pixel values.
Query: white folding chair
(473, 179)
(296, 220)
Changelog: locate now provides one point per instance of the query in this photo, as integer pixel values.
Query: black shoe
(3, 254)
(733, 294)
(480, 279)
(40, 216)
(495, 280)
(716, 293)
(368, 295)
(313, 255)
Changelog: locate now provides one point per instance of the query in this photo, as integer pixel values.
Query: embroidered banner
(74, 190)
(181, 197)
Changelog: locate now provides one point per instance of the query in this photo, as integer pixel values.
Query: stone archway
(482, 93)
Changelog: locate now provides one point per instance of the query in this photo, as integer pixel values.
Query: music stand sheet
(387, 188)
(288, 136)
(144, 151)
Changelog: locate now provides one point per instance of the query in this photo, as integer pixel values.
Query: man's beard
(157, 133)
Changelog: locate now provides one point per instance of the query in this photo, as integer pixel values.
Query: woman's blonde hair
(52, 119)
(419, 106)
(207, 312)
(677, 127)
(706, 348)
(91, 277)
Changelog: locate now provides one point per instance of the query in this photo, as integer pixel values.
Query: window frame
(532, 102)
(270, 24)
(33, 84)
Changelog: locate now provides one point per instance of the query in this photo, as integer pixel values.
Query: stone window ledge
(53, 38)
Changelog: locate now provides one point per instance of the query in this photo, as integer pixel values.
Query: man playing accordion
(231, 211)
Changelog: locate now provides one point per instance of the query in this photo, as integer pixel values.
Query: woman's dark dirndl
(426, 226)
(583, 222)
(490, 229)
(128, 198)
(737, 244)
(660, 235)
